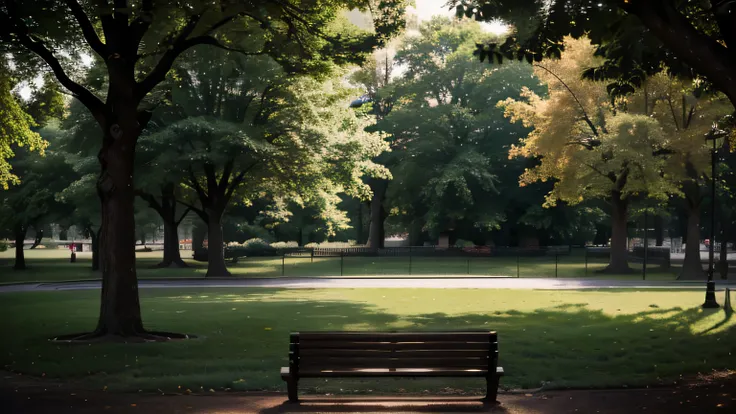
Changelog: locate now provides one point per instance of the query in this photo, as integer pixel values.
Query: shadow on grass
(244, 341)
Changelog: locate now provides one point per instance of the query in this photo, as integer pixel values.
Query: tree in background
(247, 131)
(376, 77)
(449, 139)
(686, 113)
(32, 202)
(139, 41)
(590, 146)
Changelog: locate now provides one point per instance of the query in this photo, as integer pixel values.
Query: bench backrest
(343, 351)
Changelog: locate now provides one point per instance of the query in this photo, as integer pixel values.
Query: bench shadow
(386, 405)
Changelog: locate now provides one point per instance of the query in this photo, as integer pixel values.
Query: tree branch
(142, 23)
(151, 200)
(85, 96)
(183, 215)
(222, 185)
(198, 211)
(196, 187)
(582, 108)
(88, 30)
(179, 45)
(238, 180)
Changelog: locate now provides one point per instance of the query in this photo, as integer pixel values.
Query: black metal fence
(552, 261)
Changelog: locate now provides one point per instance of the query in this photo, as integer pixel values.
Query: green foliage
(15, 127)
(34, 199)
(448, 141)
(3, 245)
(263, 135)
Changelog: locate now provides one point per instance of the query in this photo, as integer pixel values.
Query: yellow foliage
(591, 147)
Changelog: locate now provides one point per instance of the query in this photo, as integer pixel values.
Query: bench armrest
(499, 372)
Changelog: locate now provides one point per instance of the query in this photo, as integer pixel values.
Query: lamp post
(710, 287)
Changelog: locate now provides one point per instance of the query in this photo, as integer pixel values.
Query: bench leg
(291, 387)
(491, 389)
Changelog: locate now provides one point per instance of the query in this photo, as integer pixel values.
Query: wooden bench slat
(387, 353)
(442, 372)
(347, 362)
(397, 346)
(396, 336)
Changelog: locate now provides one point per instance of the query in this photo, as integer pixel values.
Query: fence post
(283, 264)
(727, 304)
(410, 260)
(517, 263)
(646, 247)
(468, 265)
(342, 256)
(312, 254)
(586, 261)
(556, 259)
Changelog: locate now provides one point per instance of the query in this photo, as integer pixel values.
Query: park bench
(393, 354)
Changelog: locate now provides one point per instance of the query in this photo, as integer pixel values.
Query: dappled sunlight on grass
(566, 338)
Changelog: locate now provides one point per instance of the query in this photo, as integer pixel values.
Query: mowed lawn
(53, 265)
(551, 338)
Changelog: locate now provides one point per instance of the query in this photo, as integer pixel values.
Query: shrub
(464, 243)
(255, 244)
(333, 245)
(284, 245)
(3, 245)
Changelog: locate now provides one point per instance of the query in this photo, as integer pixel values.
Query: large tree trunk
(20, 238)
(619, 232)
(692, 267)
(377, 234)
(120, 311)
(215, 241)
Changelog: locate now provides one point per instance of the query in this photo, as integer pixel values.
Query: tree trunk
(37, 239)
(619, 232)
(172, 256)
(359, 225)
(95, 236)
(377, 235)
(215, 241)
(120, 312)
(659, 230)
(692, 267)
(199, 231)
(20, 238)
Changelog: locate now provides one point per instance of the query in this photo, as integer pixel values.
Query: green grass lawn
(558, 338)
(53, 265)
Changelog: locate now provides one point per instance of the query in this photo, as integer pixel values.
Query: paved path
(396, 282)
